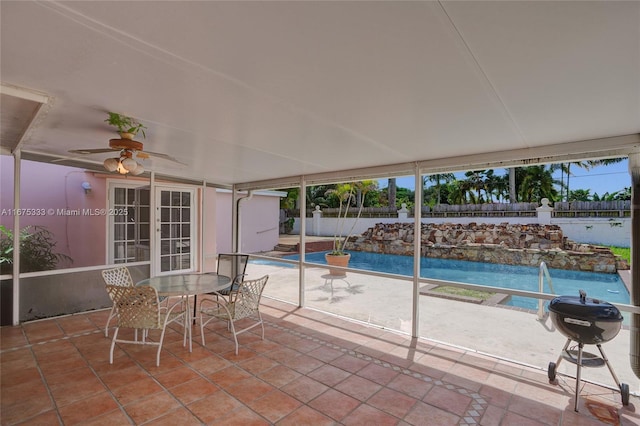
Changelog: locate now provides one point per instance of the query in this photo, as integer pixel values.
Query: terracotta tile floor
(311, 369)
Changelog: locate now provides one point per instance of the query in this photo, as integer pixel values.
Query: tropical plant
(289, 202)
(37, 253)
(438, 178)
(580, 195)
(125, 124)
(346, 194)
(535, 183)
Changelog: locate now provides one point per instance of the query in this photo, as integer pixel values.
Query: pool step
(312, 246)
(286, 247)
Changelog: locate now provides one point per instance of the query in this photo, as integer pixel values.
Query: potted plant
(127, 127)
(346, 194)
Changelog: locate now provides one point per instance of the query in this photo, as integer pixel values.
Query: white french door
(175, 230)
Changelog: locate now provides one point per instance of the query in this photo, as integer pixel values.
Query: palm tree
(536, 183)
(586, 165)
(512, 185)
(475, 179)
(499, 186)
(391, 192)
(460, 192)
(437, 178)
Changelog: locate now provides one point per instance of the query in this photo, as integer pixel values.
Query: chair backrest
(246, 300)
(117, 276)
(138, 307)
(232, 265)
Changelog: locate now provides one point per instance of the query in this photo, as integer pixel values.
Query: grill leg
(566, 346)
(606, 361)
(580, 346)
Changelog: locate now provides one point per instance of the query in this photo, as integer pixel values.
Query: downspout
(237, 246)
(634, 346)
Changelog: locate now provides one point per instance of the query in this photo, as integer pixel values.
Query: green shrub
(624, 252)
(37, 253)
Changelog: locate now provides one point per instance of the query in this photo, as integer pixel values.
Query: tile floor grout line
(44, 342)
(470, 417)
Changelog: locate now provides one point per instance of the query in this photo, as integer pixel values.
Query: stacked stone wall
(512, 244)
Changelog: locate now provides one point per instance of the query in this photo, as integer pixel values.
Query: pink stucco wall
(52, 191)
(55, 189)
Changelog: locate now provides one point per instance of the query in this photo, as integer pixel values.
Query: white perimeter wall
(603, 231)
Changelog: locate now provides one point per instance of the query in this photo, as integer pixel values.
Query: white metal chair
(244, 302)
(139, 308)
(115, 277)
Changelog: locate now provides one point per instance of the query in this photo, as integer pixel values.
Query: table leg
(195, 305)
(187, 323)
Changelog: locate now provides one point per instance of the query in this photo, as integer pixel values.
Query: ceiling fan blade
(147, 154)
(91, 151)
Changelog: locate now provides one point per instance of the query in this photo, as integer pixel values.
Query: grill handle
(583, 296)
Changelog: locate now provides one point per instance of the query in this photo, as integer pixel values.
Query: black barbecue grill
(586, 321)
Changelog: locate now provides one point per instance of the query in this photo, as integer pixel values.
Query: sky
(598, 180)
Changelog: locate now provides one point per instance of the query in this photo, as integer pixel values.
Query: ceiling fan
(125, 163)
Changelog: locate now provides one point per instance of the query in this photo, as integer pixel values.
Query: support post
(16, 239)
(303, 232)
(634, 344)
(417, 246)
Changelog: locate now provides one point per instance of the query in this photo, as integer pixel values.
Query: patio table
(186, 285)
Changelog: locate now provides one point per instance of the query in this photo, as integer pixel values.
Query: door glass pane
(119, 196)
(175, 198)
(118, 232)
(175, 231)
(164, 231)
(132, 228)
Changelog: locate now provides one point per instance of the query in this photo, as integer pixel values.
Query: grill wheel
(551, 371)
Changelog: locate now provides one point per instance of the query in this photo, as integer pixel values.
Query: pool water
(607, 287)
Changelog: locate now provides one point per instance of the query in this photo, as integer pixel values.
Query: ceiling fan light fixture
(130, 164)
(138, 170)
(121, 169)
(111, 164)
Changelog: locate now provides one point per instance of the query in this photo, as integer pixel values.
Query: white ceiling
(248, 91)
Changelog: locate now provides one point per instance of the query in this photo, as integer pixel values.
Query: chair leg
(202, 324)
(113, 344)
(111, 315)
(261, 324)
(160, 345)
(233, 331)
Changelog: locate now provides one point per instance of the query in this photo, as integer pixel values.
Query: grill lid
(585, 308)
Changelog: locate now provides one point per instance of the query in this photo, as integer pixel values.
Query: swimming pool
(607, 287)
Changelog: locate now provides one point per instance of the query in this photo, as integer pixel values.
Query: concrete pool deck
(503, 332)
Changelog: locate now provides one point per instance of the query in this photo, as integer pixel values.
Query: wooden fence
(560, 209)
